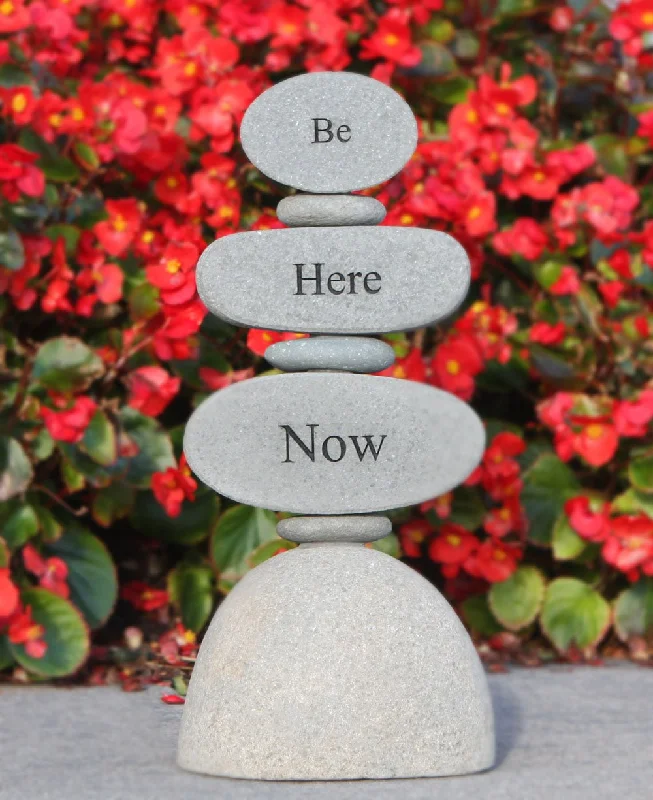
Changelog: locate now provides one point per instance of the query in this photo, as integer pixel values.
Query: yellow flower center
(148, 237)
(19, 103)
(119, 223)
(171, 182)
(595, 431)
(453, 367)
(173, 265)
(7, 8)
(406, 219)
(454, 540)
(391, 40)
(190, 69)
(474, 213)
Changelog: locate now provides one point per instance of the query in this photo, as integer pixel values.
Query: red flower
(392, 41)
(51, 572)
(117, 233)
(501, 521)
(630, 544)
(259, 340)
(526, 238)
(174, 486)
(151, 390)
(214, 379)
(480, 215)
(590, 519)
(455, 364)
(567, 283)
(452, 547)
(174, 273)
(23, 630)
(69, 424)
(412, 535)
(597, 440)
(632, 417)
(411, 367)
(18, 173)
(19, 104)
(441, 505)
(13, 16)
(9, 596)
(547, 334)
(493, 561)
(144, 597)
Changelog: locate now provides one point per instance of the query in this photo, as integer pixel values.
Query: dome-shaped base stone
(335, 661)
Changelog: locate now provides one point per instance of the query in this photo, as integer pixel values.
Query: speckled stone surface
(332, 443)
(332, 662)
(365, 132)
(334, 529)
(371, 280)
(351, 353)
(309, 210)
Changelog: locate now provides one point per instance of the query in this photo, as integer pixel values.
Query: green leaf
(548, 484)
(467, 508)
(478, 617)
(633, 502)
(66, 635)
(194, 524)
(91, 573)
(154, 449)
(191, 590)
(5, 555)
(388, 545)
(437, 60)
(86, 155)
(633, 610)
(451, 91)
(574, 614)
(99, 440)
(55, 166)
(16, 470)
(112, 503)
(567, 544)
(611, 153)
(517, 601)
(50, 527)
(239, 531)
(12, 253)
(268, 549)
(66, 364)
(6, 656)
(21, 526)
(640, 473)
(69, 233)
(12, 76)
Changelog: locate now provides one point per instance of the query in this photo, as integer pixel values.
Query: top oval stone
(328, 132)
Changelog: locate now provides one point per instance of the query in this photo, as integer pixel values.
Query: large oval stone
(334, 280)
(334, 443)
(329, 132)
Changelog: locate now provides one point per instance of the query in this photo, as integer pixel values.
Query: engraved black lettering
(324, 130)
(335, 277)
(301, 278)
(371, 276)
(325, 448)
(352, 281)
(369, 445)
(290, 434)
(342, 130)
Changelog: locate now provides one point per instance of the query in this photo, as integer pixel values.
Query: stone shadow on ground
(507, 718)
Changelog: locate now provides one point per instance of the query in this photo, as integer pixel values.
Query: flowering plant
(120, 161)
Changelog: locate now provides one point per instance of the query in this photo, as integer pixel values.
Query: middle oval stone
(334, 280)
(332, 443)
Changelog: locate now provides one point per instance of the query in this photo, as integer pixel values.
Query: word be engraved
(326, 131)
(336, 283)
(332, 452)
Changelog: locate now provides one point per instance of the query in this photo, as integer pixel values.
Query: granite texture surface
(567, 733)
(344, 528)
(332, 443)
(369, 279)
(334, 661)
(329, 132)
(309, 210)
(350, 353)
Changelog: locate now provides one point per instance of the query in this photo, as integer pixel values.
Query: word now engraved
(333, 453)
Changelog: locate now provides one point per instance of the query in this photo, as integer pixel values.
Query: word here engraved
(347, 280)
(336, 443)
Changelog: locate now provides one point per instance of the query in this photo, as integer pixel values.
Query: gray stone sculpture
(334, 661)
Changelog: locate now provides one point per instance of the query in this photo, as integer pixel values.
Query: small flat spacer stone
(351, 528)
(313, 210)
(348, 353)
(329, 132)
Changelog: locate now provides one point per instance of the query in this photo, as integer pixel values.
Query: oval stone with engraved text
(335, 443)
(329, 132)
(334, 280)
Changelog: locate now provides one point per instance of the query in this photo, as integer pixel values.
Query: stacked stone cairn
(333, 660)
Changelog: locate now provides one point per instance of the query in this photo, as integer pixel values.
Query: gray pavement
(564, 733)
